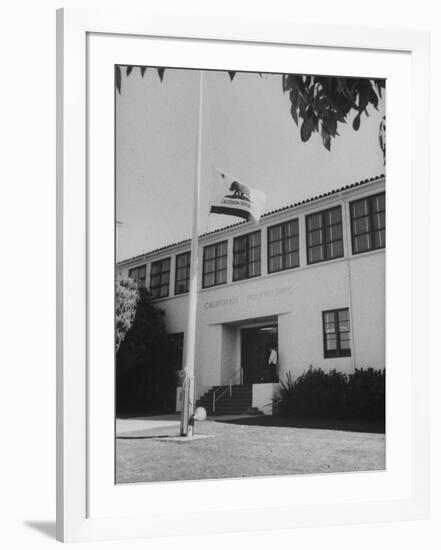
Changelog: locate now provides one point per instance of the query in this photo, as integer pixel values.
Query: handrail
(227, 386)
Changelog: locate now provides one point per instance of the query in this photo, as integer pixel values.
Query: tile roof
(281, 209)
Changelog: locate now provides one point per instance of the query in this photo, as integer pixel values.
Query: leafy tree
(126, 298)
(145, 379)
(318, 103)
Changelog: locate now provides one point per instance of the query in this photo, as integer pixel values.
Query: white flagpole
(188, 401)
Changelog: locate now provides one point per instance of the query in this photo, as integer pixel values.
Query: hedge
(319, 394)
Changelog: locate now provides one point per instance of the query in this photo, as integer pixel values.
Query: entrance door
(255, 351)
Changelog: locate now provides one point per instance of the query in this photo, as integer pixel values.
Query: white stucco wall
(295, 298)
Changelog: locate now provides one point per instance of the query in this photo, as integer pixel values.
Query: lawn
(246, 449)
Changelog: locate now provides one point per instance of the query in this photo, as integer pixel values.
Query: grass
(243, 450)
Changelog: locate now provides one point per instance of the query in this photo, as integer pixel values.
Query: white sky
(248, 132)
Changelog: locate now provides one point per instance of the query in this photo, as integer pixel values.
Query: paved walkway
(164, 423)
(128, 425)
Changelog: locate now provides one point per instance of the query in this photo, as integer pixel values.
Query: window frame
(247, 252)
(283, 239)
(216, 257)
(339, 351)
(137, 268)
(322, 229)
(370, 215)
(162, 272)
(187, 267)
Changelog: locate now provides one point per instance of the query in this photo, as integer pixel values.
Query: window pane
(315, 237)
(331, 342)
(329, 317)
(362, 243)
(380, 239)
(292, 259)
(180, 287)
(210, 252)
(209, 279)
(333, 216)
(239, 272)
(275, 248)
(314, 221)
(254, 269)
(292, 228)
(360, 208)
(275, 233)
(361, 225)
(343, 316)
(222, 249)
(221, 263)
(334, 250)
(316, 254)
(292, 243)
(209, 266)
(276, 263)
(379, 221)
(333, 233)
(255, 239)
(379, 203)
(254, 254)
(221, 277)
(345, 343)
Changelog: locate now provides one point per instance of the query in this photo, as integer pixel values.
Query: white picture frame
(408, 494)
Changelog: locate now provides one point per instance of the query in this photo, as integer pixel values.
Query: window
(215, 264)
(138, 275)
(160, 278)
(336, 333)
(324, 235)
(283, 246)
(182, 278)
(246, 256)
(368, 223)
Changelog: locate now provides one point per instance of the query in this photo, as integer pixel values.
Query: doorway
(256, 346)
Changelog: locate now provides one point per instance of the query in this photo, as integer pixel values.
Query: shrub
(145, 380)
(126, 298)
(317, 394)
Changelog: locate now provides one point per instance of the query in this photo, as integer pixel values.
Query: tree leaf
(307, 128)
(118, 78)
(232, 74)
(143, 70)
(356, 122)
(294, 114)
(129, 69)
(161, 71)
(326, 138)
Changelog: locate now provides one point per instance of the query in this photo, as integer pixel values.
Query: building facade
(309, 282)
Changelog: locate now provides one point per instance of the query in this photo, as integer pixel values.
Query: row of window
(336, 338)
(324, 241)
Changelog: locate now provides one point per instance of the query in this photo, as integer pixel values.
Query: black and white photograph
(250, 246)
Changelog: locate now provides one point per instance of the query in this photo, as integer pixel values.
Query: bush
(145, 380)
(317, 394)
(126, 298)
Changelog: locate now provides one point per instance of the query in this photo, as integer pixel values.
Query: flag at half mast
(234, 198)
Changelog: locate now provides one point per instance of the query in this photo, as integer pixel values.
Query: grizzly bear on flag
(240, 191)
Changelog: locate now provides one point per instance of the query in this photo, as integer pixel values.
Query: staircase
(239, 402)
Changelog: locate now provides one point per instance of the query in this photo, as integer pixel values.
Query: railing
(228, 386)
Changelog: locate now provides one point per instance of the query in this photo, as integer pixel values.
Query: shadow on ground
(362, 426)
(47, 528)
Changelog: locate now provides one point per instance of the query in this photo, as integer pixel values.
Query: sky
(247, 132)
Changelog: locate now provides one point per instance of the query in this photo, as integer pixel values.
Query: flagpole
(190, 350)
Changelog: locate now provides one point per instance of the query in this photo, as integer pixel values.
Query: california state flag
(234, 198)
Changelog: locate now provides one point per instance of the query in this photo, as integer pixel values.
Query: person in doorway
(273, 362)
